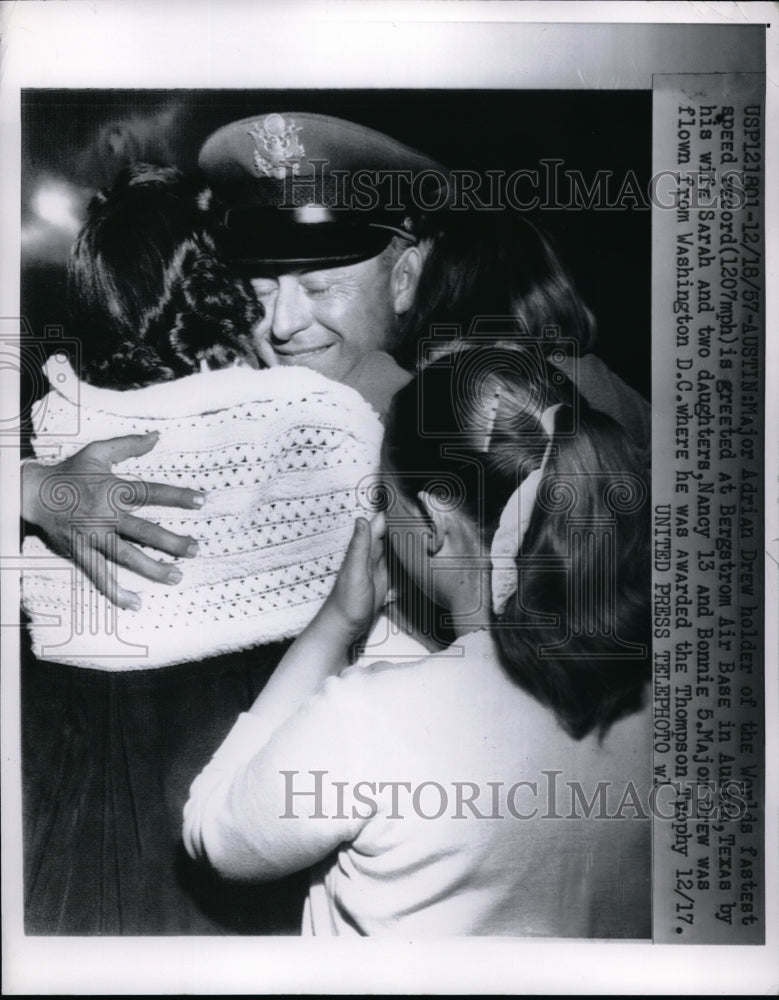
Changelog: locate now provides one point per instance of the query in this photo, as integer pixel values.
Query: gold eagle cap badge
(277, 148)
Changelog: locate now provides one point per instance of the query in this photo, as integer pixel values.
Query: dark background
(74, 141)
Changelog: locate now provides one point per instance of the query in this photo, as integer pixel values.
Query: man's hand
(55, 498)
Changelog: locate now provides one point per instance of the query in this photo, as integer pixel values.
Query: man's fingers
(136, 529)
(95, 552)
(123, 494)
(132, 558)
(118, 449)
(162, 495)
(126, 494)
(96, 568)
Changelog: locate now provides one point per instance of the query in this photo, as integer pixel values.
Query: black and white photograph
(389, 537)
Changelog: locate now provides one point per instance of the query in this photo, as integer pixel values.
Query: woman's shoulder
(204, 392)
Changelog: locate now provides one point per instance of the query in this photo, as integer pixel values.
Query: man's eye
(262, 289)
(316, 291)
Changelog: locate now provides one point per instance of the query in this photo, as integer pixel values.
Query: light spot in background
(55, 202)
(51, 220)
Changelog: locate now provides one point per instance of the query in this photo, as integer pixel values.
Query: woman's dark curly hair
(493, 275)
(149, 299)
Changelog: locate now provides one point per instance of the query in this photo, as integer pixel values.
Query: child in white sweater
(499, 786)
(122, 706)
(167, 350)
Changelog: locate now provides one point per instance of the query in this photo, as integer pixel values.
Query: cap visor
(301, 245)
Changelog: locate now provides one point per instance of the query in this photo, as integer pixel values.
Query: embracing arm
(107, 500)
(236, 815)
(323, 648)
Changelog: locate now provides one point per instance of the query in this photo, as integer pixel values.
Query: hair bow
(514, 521)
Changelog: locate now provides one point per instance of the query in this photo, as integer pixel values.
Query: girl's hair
(469, 426)
(148, 297)
(493, 274)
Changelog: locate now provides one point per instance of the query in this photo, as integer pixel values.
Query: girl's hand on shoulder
(360, 588)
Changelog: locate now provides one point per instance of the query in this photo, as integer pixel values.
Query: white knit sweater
(286, 457)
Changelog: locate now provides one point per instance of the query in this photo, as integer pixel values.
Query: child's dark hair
(475, 415)
(493, 274)
(148, 297)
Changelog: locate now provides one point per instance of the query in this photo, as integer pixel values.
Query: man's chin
(327, 361)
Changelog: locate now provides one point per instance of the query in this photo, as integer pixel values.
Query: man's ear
(405, 277)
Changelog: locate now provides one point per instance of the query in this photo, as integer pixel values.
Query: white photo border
(308, 43)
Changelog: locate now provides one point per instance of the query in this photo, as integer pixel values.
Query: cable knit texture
(286, 456)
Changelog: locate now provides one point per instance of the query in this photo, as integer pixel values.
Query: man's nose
(291, 309)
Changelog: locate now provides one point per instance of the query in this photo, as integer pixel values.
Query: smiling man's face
(325, 319)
